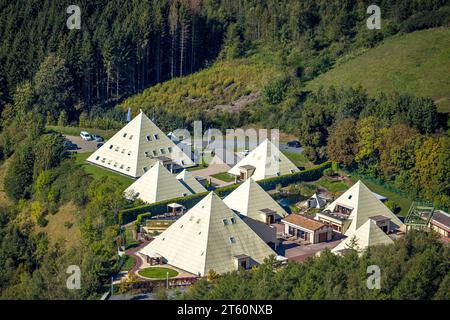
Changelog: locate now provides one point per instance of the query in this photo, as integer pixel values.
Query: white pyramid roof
(319, 201)
(364, 204)
(157, 184)
(369, 234)
(268, 161)
(249, 198)
(132, 150)
(200, 241)
(190, 182)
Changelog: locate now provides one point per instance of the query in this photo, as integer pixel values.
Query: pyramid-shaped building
(137, 147)
(369, 234)
(250, 200)
(354, 207)
(157, 184)
(210, 236)
(265, 161)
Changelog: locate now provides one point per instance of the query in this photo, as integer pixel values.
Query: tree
(53, 86)
(342, 142)
(431, 173)
(62, 119)
(19, 175)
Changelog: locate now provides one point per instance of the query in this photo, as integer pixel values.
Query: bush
(42, 222)
(275, 91)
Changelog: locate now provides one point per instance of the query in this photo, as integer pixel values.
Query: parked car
(99, 145)
(69, 145)
(294, 144)
(97, 138)
(85, 135)
(245, 152)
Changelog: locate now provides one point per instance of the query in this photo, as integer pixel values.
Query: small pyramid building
(136, 148)
(265, 161)
(250, 200)
(189, 181)
(209, 236)
(362, 204)
(369, 234)
(316, 201)
(157, 184)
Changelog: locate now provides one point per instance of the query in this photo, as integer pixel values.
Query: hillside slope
(417, 63)
(226, 85)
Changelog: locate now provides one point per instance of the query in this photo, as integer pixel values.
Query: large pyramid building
(354, 207)
(157, 184)
(250, 200)
(209, 236)
(137, 147)
(369, 234)
(265, 161)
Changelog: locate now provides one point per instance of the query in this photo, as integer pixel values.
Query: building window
(121, 166)
(225, 222)
(129, 153)
(182, 162)
(278, 174)
(123, 150)
(232, 240)
(181, 227)
(191, 218)
(198, 221)
(110, 147)
(116, 149)
(233, 220)
(145, 169)
(155, 153)
(131, 137)
(128, 168)
(156, 136)
(169, 149)
(98, 157)
(349, 197)
(148, 138)
(124, 135)
(162, 151)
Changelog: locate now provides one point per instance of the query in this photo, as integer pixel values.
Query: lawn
(299, 159)
(417, 63)
(98, 173)
(157, 273)
(224, 176)
(75, 131)
(330, 185)
(128, 262)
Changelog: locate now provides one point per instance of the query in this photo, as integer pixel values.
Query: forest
(142, 54)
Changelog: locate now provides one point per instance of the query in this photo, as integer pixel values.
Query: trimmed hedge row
(146, 211)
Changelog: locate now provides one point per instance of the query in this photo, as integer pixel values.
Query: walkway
(211, 170)
(134, 252)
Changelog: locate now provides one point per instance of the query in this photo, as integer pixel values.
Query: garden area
(223, 176)
(157, 273)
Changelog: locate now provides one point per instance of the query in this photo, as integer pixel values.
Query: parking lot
(83, 145)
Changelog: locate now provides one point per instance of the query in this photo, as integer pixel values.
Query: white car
(245, 153)
(85, 136)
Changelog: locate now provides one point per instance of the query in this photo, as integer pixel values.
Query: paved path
(213, 169)
(134, 252)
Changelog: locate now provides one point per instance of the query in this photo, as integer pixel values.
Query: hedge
(146, 211)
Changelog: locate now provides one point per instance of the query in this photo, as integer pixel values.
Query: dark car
(70, 146)
(99, 145)
(294, 144)
(97, 138)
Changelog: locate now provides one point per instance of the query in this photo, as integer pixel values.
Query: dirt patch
(57, 228)
(238, 104)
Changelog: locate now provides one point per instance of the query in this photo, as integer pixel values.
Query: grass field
(75, 131)
(97, 172)
(224, 176)
(57, 229)
(128, 263)
(417, 63)
(330, 185)
(299, 160)
(157, 273)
